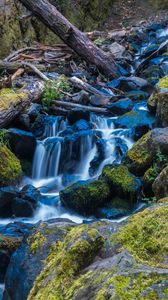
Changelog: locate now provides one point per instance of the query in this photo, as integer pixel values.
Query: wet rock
(159, 102)
(28, 261)
(138, 122)
(10, 167)
(123, 185)
(75, 115)
(116, 50)
(153, 74)
(22, 143)
(73, 149)
(34, 110)
(137, 95)
(99, 157)
(18, 203)
(132, 83)
(160, 185)
(121, 107)
(24, 120)
(111, 212)
(85, 197)
(8, 244)
(98, 100)
(81, 125)
(115, 264)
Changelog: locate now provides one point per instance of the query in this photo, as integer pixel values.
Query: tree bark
(72, 36)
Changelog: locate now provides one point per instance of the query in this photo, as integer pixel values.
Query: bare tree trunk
(72, 36)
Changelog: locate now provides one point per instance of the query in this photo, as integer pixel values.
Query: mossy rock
(146, 235)
(65, 262)
(139, 158)
(122, 184)
(160, 185)
(85, 197)
(158, 102)
(158, 4)
(134, 269)
(10, 167)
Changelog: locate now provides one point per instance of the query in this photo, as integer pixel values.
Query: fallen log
(12, 67)
(72, 36)
(82, 107)
(13, 102)
(86, 86)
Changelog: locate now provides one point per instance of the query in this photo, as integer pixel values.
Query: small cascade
(68, 154)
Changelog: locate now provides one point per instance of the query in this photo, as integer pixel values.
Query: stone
(75, 115)
(143, 153)
(125, 187)
(22, 143)
(160, 185)
(116, 50)
(18, 203)
(138, 122)
(85, 197)
(121, 107)
(28, 261)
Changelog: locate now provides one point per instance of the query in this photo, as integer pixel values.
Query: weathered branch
(83, 107)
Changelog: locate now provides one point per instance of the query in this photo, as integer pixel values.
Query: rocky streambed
(71, 180)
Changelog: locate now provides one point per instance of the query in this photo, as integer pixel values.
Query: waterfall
(73, 154)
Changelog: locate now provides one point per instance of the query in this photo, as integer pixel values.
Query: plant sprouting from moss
(55, 90)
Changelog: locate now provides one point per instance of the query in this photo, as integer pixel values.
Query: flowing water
(52, 172)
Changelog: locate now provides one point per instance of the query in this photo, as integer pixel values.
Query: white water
(48, 163)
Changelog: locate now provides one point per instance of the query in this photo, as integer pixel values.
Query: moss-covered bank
(96, 262)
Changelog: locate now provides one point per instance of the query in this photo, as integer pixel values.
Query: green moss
(133, 287)
(36, 241)
(10, 168)
(10, 97)
(65, 261)
(85, 197)
(119, 177)
(163, 82)
(146, 236)
(139, 158)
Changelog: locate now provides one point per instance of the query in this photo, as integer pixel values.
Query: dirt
(127, 13)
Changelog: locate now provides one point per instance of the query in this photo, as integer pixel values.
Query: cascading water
(64, 157)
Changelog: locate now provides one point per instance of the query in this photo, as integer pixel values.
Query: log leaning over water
(72, 36)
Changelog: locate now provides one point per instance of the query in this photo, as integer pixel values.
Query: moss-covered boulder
(135, 266)
(10, 167)
(160, 185)
(85, 197)
(159, 102)
(138, 158)
(152, 147)
(102, 260)
(10, 97)
(123, 185)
